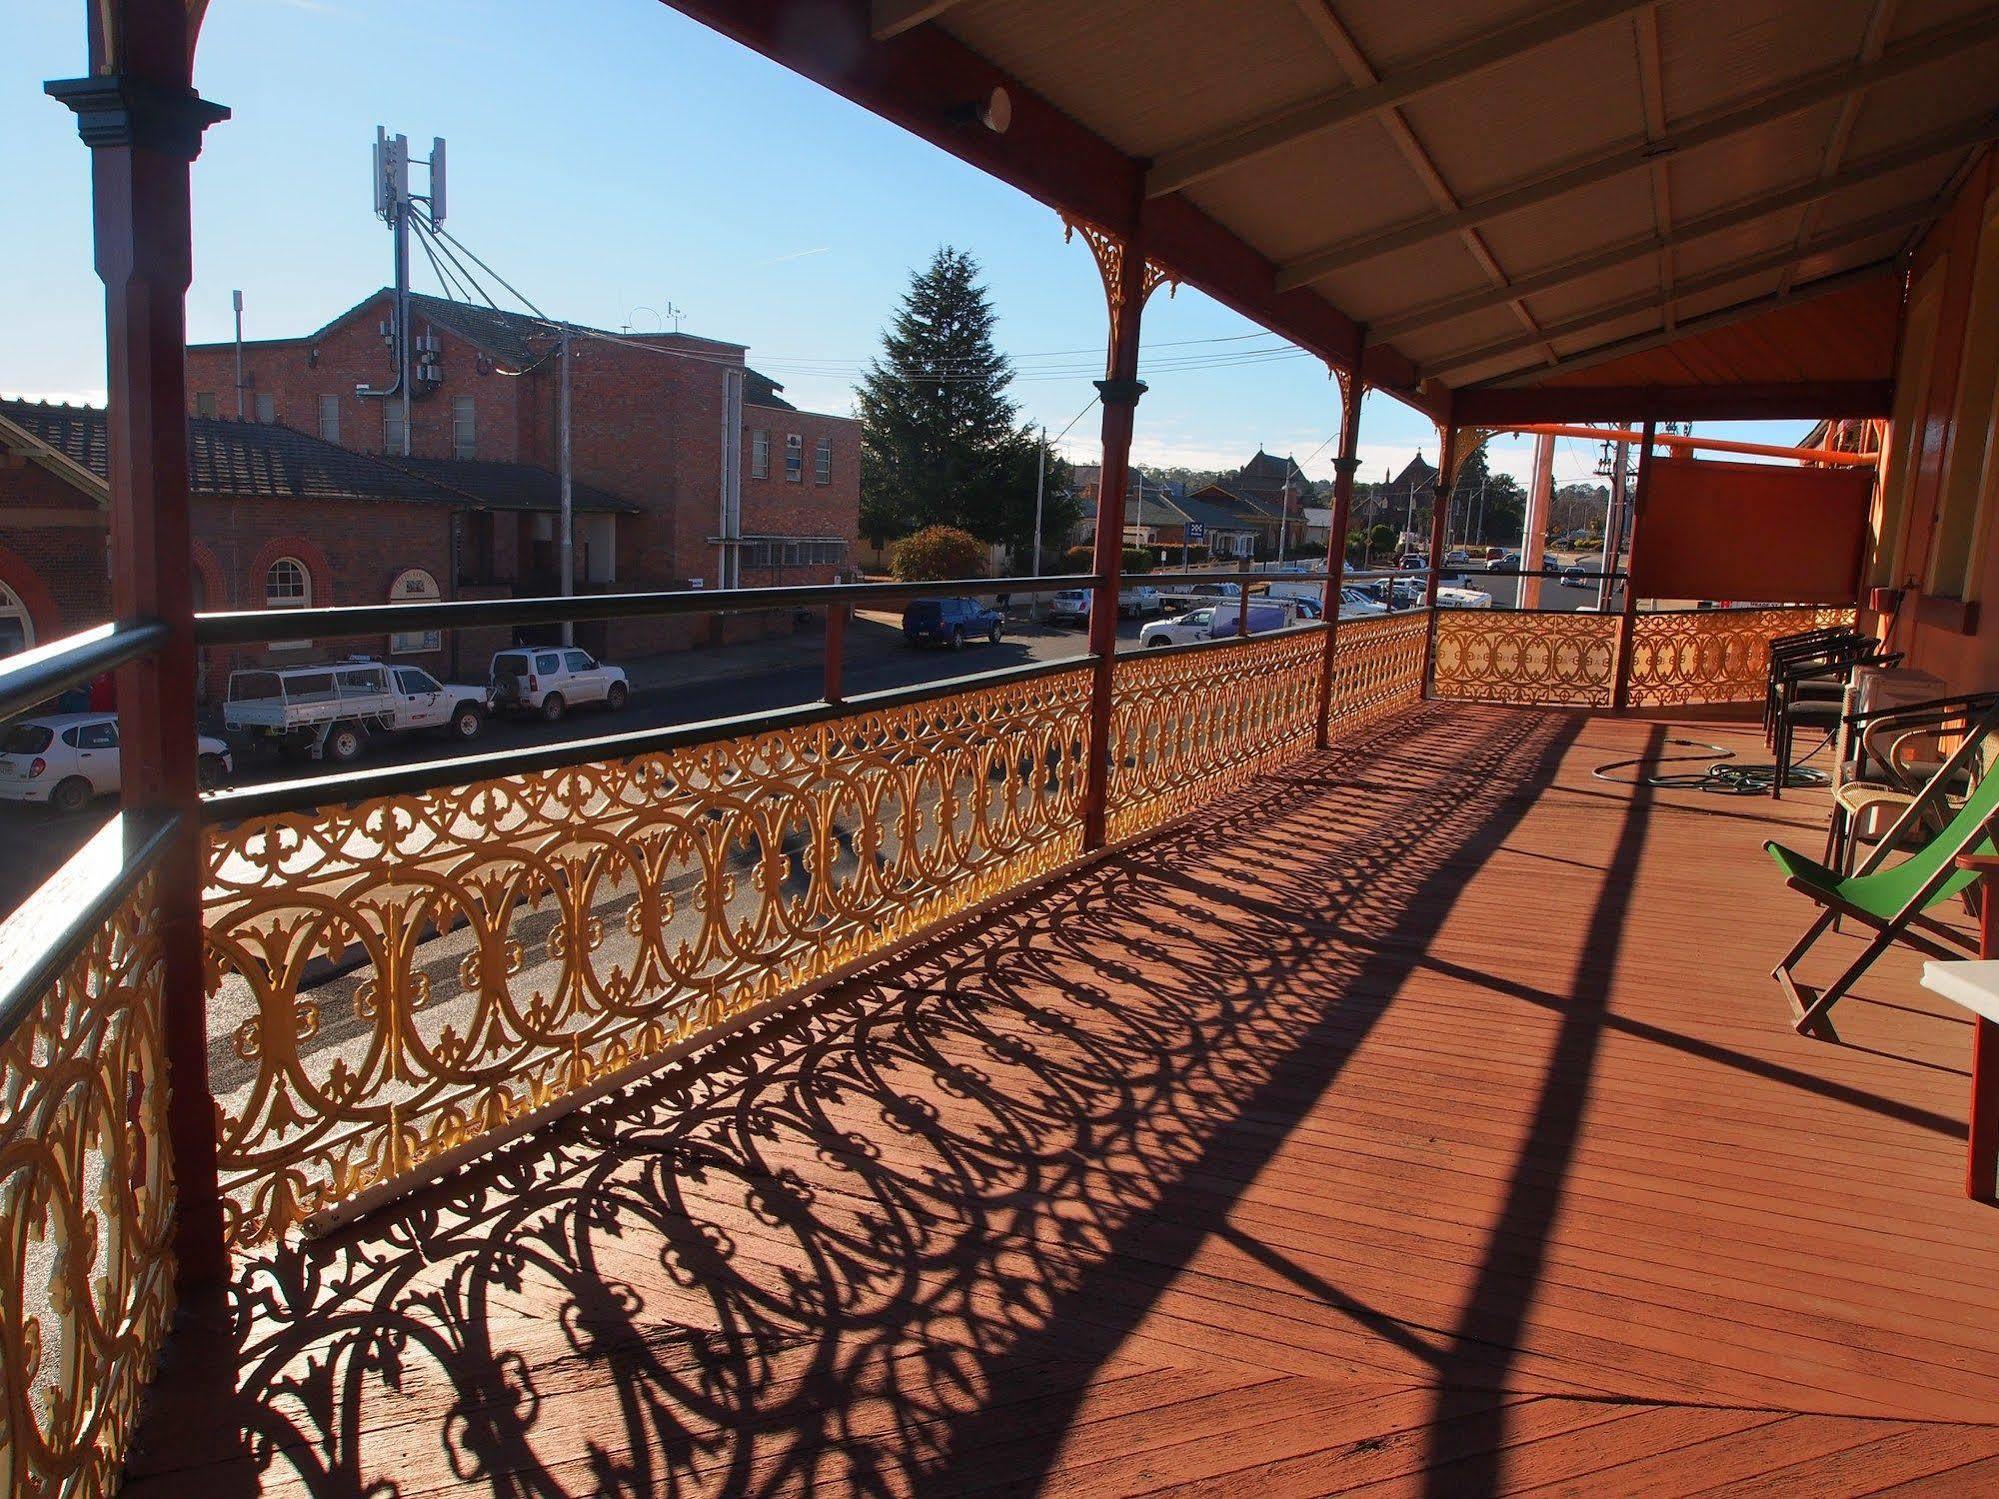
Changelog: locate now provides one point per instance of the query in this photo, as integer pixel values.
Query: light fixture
(994, 112)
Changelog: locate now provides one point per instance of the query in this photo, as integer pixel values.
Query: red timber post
(1128, 280)
(1440, 517)
(143, 122)
(1344, 466)
(1627, 623)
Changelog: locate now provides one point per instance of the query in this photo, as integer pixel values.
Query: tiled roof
(273, 462)
(237, 458)
(1212, 517)
(510, 486)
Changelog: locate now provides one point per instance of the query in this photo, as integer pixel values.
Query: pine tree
(940, 440)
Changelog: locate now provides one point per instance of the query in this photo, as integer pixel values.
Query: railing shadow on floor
(856, 1242)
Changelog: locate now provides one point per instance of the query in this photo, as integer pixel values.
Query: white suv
(66, 759)
(552, 679)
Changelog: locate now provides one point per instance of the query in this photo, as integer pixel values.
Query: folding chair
(1891, 900)
(1885, 757)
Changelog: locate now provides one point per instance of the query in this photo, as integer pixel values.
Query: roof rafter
(1816, 88)
(1190, 164)
(1723, 275)
(1816, 190)
(1332, 31)
(893, 17)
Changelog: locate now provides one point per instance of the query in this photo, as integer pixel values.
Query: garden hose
(1723, 776)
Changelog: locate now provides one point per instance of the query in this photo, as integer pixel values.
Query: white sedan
(67, 759)
(1178, 629)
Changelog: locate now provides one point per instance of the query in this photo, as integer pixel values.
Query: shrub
(1077, 559)
(938, 552)
(1136, 560)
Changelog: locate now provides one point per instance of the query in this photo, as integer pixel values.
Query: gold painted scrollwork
(1713, 655)
(1506, 656)
(86, 1197)
(393, 979)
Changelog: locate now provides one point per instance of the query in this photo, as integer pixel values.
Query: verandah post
(1447, 472)
(1627, 624)
(1128, 280)
(140, 116)
(1344, 466)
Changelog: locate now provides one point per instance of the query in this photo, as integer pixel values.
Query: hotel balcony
(1338, 1059)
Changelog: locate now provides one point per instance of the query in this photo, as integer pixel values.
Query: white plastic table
(1975, 986)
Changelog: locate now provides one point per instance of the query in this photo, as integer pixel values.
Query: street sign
(1196, 531)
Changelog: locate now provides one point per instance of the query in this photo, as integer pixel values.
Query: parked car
(550, 680)
(1357, 603)
(331, 711)
(1414, 562)
(1573, 576)
(67, 759)
(1463, 598)
(1196, 595)
(1070, 607)
(1501, 562)
(1180, 629)
(1265, 615)
(950, 621)
(1457, 557)
(1136, 603)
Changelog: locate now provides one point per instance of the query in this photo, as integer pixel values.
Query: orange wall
(1955, 638)
(1794, 535)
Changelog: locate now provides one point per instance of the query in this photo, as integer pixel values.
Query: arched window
(17, 630)
(287, 585)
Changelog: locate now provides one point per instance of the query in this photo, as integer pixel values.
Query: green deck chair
(1892, 899)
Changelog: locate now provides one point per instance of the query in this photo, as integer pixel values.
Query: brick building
(280, 519)
(651, 417)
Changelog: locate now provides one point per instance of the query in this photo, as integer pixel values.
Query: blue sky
(612, 163)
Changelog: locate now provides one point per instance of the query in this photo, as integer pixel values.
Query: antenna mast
(393, 204)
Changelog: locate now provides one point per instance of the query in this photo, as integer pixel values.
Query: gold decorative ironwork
(1188, 726)
(1109, 252)
(399, 977)
(86, 1200)
(1526, 656)
(1713, 655)
(1377, 670)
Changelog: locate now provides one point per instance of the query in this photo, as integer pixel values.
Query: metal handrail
(426, 775)
(252, 626)
(52, 926)
(32, 677)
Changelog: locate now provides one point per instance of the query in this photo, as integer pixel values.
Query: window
(329, 418)
(578, 661)
(464, 428)
(413, 585)
(93, 736)
(204, 403)
(794, 458)
(287, 585)
(416, 683)
(822, 462)
(392, 426)
(760, 454)
(17, 630)
(548, 663)
(267, 407)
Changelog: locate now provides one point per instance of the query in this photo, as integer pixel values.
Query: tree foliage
(941, 442)
(938, 552)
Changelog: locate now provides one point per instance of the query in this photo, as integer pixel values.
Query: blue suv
(950, 622)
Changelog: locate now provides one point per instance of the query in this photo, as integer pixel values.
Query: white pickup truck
(330, 712)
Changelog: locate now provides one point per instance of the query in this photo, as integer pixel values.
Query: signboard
(414, 586)
(1196, 531)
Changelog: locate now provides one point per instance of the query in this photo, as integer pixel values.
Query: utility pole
(237, 298)
(1040, 486)
(566, 543)
(394, 203)
(1612, 525)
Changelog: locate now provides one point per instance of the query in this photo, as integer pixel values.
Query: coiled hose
(1723, 776)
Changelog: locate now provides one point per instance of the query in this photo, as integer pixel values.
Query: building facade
(651, 418)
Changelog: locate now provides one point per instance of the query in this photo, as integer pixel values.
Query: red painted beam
(1821, 400)
(923, 79)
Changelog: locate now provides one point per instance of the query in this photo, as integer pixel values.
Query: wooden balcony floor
(1422, 1119)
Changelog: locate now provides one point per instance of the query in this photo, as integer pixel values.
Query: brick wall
(53, 555)
(297, 372)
